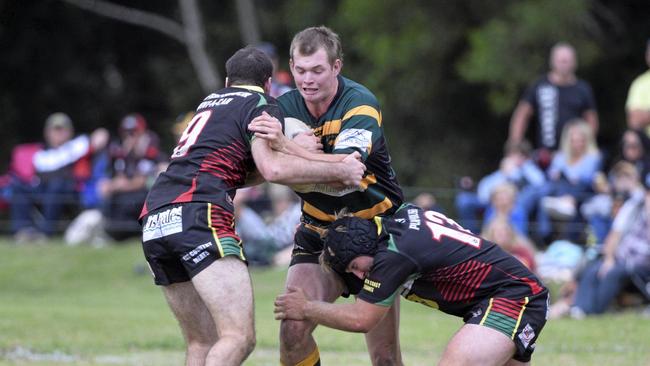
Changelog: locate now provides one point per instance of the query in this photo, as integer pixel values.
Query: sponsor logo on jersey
(370, 285)
(526, 335)
(233, 94)
(214, 103)
(164, 223)
(354, 138)
(197, 254)
(414, 219)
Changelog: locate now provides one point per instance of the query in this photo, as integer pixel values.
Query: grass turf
(84, 306)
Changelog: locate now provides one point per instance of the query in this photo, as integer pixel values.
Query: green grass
(85, 306)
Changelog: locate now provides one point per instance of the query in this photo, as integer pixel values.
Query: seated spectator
(571, 176)
(502, 204)
(517, 168)
(500, 231)
(135, 157)
(427, 201)
(265, 240)
(87, 226)
(600, 209)
(635, 149)
(52, 179)
(626, 253)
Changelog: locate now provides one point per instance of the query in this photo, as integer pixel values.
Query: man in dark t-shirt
(428, 258)
(555, 98)
(188, 234)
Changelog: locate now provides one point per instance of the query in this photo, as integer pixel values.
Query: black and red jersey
(428, 258)
(213, 156)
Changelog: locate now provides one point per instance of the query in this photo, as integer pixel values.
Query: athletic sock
(313, 359)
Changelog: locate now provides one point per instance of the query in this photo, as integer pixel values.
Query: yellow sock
(313, 359)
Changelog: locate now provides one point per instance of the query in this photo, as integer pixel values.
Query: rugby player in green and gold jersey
(344, 117)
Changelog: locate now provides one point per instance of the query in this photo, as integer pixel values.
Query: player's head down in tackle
(346, 239)
(249, 66)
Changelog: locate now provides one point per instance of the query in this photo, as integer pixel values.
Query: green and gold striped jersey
(353, 122)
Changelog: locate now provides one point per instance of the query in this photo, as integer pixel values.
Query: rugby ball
(293, 126)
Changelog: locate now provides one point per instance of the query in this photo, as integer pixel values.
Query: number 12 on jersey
(436, 223)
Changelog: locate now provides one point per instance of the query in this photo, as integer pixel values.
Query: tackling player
(188, 234)
(344, 117)
(428, 258)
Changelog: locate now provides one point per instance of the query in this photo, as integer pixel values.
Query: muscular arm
(519, 121)
(360, 316)
(281, 168)
(291, 148)
(270, 129)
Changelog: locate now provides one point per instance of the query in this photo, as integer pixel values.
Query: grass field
(86, 306)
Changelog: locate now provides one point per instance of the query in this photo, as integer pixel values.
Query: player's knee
(244, 341)
(292, 333)
(198, 348)
(456, 356)
(248, 344)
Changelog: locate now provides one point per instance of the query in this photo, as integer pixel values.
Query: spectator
(555, 98)
(57, 169)
(637, 105)
(267, 236)
(611, 193)
(87, 227)
(281, 80)
(571, 176)
(502, 204)
(134, 162)
(635, 148)
(502, 232)
(517, 168)
(626, 253)
(427, 201)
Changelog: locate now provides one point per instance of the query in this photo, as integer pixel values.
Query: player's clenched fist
(353, 170)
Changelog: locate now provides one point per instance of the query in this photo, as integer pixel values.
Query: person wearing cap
(428, 258)
(637, 106)
(60, 166)
(134, 157)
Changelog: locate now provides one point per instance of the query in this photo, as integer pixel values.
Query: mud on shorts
(308, 246)
(520, 320)
(180, 240)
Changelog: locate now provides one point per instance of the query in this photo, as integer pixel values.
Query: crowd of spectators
(575, 212)
(103, 181)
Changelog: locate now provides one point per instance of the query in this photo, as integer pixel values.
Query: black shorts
(520, 319)
(308, 246)
(180, 240)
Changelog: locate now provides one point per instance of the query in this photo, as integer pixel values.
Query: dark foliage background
(448, 73)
